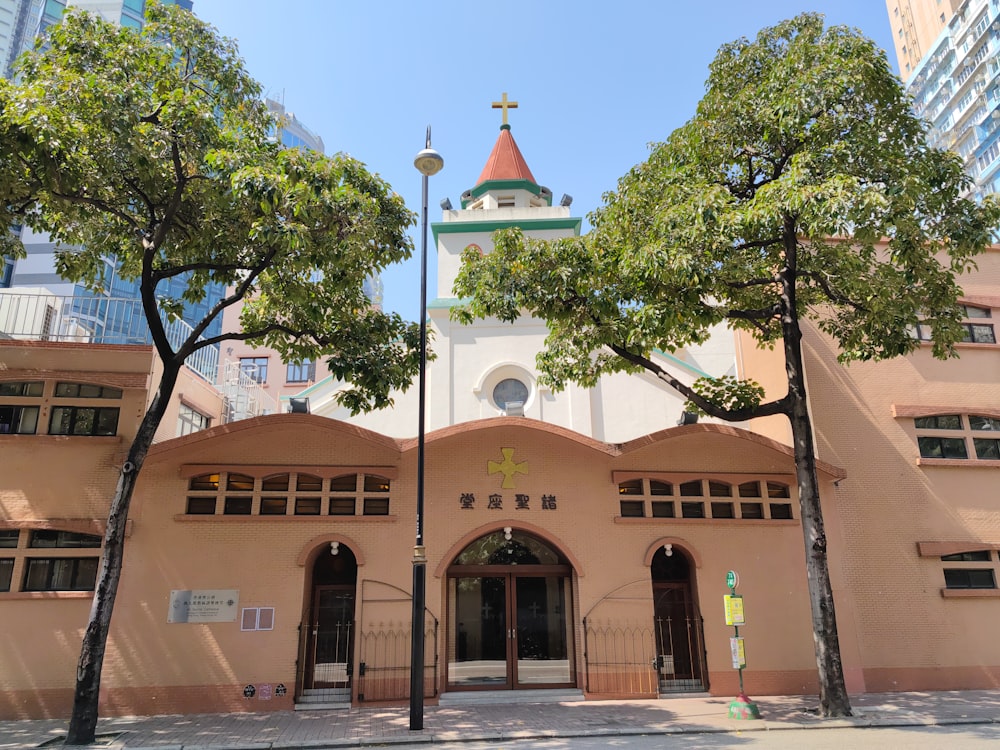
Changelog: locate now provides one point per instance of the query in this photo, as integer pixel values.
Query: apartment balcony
(36, 315)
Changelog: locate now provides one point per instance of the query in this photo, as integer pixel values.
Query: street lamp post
(427, 162)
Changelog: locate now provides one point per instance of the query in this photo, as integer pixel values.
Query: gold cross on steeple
(504, 105)
(508, 468)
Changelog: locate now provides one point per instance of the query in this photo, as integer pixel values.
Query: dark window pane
(201, 506)
(692, 510)
(273, 506)
(691, 489)
(751, 510)
(983, 555)
(776, 489)
(376, 506)
(376, 484)
(663, 509)
(239, 482)
(720, 489)
(723, 510)
(6, 571)
(204, 482)
(85, 421)
(107, 422)
(307, 506)
(238, 506)
(18, 420)
(341, 506)
(982, 334)
(781, 511)
(309, 483)
(750, 489)
(963, 578)
(63, 539)
(988, 449)
(660, 488)
(631, 487)
(345, 483)
(976, 312)
(632, 508)
(939, 422)
(21, 388)
(276, 483)
(68, 390)
(60, 574)
(984, 423)
(8, 538)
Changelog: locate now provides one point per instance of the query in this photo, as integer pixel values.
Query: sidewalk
(390, 725)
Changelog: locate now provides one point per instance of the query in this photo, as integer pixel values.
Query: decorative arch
(442, 567)
(310, 549)
(681, 544)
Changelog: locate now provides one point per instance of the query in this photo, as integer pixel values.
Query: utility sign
(732, 579)
(734, 609)
(739, 652)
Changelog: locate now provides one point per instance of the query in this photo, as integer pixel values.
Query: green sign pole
(742, 707)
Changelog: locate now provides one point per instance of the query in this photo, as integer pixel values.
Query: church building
(578, 543)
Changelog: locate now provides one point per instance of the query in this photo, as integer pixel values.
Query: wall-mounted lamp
(507, 532)
(566, 200)
(446, 204)
(668, 549)
(298, 405)
(687, 417)
(334, 548)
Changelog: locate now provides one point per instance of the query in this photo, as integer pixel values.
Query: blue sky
(595, 82)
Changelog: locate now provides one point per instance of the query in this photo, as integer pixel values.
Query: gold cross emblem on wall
(504, 105)
(507, 467)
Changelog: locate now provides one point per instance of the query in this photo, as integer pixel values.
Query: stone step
(477, 697)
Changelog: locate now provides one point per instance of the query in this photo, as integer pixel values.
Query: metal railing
(35, 316)
(384, 662)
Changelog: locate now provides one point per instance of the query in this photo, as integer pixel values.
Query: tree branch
(730, 415)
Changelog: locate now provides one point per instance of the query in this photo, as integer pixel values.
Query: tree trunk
(83, 722)
(833, 699)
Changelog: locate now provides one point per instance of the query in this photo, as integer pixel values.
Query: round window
(510, 391)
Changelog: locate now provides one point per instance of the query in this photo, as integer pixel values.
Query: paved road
(970, 737)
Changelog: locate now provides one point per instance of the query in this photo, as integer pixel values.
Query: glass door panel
(480, 632)
(540, 607)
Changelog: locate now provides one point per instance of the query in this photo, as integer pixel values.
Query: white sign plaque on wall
(203, 605)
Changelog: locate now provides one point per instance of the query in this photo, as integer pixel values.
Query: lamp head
(428, 162)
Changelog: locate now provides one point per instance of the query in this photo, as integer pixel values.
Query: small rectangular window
(968, 578)
(979, 423)
(8, 538)
(375, 483)
(719, 489)
(981, 555)
(301, 372)
(939, 422)
(751, 510)
(723, 510)
(309, 483)
(750, 489)
(781, 511)
(19, 388)
(307, 506)
(18, 420)
(777, 489)
(987, 449)
(201, 506)
(631, 487)
(691, 489)
(275, 483)
(254, 368)
(273, 506)
(662, 509)
(660, 488)
(238, 506)
(83, 420)
(341, 506)
(936, 447)
(60, 573)
(204, 482)
(376, 506)
(239, 482)
(692, 510)
(632, 508)
(49, 539)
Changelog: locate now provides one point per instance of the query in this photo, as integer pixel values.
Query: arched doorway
(329, 645)
(509, 615)
(680, 641)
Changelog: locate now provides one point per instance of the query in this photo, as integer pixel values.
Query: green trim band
(469, 227)
(485, 187)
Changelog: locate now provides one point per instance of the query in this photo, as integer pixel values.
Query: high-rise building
(949, 59)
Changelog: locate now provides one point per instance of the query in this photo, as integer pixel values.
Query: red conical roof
(505, 162)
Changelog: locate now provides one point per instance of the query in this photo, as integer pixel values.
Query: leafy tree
(803, 189)
(155, 147)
